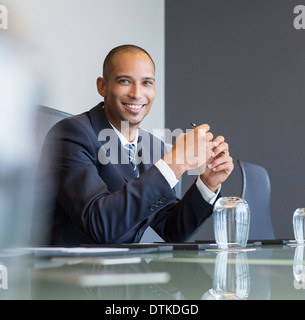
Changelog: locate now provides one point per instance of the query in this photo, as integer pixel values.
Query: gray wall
(239, 65)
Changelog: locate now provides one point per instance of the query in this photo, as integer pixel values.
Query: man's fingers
(217, 163)
(219, 140)
(209, 137)
(222, 148)
(223, 167)
(205, 127)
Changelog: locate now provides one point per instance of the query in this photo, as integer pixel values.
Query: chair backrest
(256, 190)
(47, 118)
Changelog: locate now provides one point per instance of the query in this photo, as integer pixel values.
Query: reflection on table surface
(261, 272)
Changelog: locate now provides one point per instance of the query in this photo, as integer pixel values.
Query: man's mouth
(134, 106)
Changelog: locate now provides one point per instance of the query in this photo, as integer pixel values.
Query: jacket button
(162, 200)
(152, 207)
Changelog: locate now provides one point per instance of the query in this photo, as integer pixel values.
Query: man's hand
(191, 150)
(219, 166)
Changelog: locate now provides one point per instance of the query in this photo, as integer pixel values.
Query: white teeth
(131, 106)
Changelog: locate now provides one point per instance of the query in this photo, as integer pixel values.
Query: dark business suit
(105, 203)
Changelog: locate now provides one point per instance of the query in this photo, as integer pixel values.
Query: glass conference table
(264, 270)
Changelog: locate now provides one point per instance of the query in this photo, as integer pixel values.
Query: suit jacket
(100, 202)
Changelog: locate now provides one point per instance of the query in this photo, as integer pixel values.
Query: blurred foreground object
(18, 151)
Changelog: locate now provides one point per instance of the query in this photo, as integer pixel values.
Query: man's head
(108, 63)
(128, 85)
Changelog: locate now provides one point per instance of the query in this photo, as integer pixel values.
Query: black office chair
(256, 191)
(46, 119)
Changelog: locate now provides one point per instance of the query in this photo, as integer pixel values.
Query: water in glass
(299, 225)
(231, 218)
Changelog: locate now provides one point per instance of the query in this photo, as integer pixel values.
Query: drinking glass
(231, 219)
(298, 221)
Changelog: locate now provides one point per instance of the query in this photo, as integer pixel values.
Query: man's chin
(133, 123)
(135, 120)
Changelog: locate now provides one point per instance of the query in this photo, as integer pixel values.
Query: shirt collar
(123, 140)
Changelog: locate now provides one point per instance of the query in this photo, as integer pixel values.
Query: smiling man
(128, 86)
(115, 202)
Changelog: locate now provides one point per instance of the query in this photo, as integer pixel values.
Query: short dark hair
(107, 66)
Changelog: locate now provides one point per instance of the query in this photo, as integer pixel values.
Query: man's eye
(148, 83)
(124, 81)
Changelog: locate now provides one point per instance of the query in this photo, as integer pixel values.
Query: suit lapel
(144, 150)
(150, 149)
(110, 147)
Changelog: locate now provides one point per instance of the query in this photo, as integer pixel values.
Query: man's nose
(135, 91)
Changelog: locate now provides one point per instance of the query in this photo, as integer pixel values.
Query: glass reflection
(231, 277)
(299, 267)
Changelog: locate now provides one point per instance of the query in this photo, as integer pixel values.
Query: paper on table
(102, 279)
(103, 261)
(76, 249)
(233, 249)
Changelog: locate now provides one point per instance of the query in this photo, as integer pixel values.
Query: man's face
(129, 90)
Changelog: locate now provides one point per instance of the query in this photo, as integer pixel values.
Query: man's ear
(101, 86)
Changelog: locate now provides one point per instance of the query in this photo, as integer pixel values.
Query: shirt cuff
(208, 195)
(167, 172)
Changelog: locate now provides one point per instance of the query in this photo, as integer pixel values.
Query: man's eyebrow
(123, 76)
(149, 78)
(129, 77)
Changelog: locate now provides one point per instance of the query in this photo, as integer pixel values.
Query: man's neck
(130, 132)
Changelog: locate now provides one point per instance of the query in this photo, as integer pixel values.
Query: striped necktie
(131, 155)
